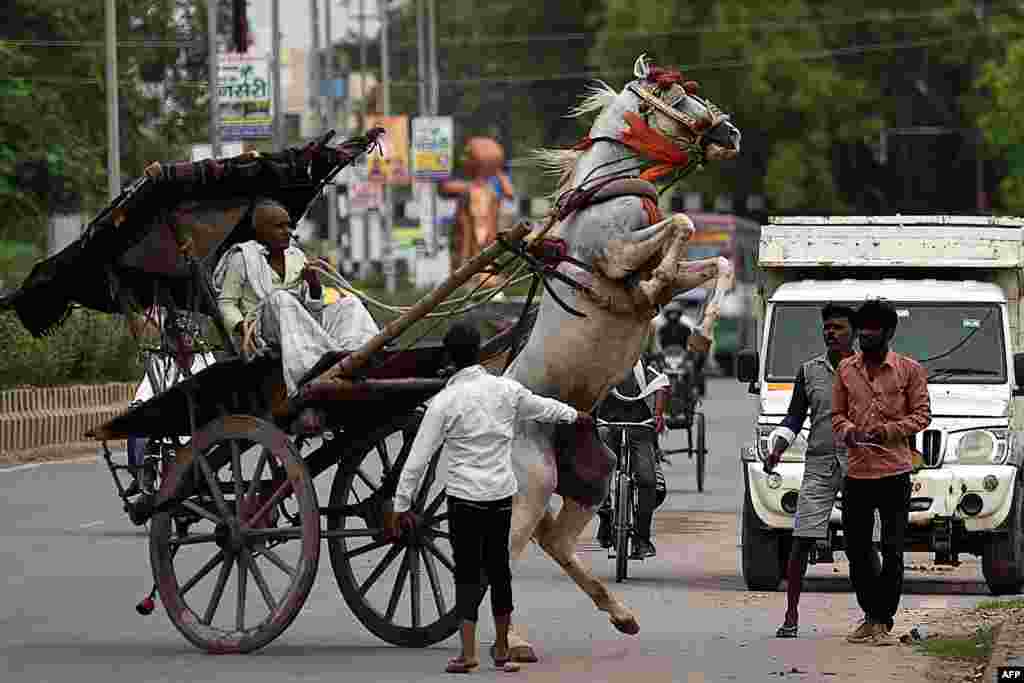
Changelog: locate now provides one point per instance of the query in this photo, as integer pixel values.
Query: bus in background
(735, 238)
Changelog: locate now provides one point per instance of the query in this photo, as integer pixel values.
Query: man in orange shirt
(879, 402)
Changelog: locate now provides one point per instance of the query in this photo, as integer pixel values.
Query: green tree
(1002, 76)
(801, 79)
(53, 104)
(503, 69)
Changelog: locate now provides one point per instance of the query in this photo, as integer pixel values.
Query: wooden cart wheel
(265, 557)
(403, 592)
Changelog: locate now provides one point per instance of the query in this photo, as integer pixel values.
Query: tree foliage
(821, 91)
(1002, 75)
(53, 100)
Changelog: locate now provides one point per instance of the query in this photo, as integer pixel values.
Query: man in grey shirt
(825, 463)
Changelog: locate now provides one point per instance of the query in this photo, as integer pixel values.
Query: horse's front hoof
(522, 654)
(628, 626)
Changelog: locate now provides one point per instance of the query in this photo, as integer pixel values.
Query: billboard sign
(393, 166)
(432, 147)
(244, 91)
(364, 196)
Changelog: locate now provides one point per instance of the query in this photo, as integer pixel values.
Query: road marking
(70, 461)
(88, 525)
(18, 468)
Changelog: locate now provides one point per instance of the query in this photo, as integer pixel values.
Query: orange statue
(478, 216)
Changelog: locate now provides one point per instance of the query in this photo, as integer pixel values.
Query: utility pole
(211, 27)
(314, 67)
(434, 93)
(421, 58)
(275, 77)
(432, 57)
(390, 280)
(113, 132)
(331, 194)
(362, 49)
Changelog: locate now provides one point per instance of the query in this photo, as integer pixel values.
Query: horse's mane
(561, 162)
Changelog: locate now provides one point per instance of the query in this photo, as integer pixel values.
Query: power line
(99, 43)
(771, 26)
(809, 56)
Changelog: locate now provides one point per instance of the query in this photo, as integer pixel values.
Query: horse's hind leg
(558, 537)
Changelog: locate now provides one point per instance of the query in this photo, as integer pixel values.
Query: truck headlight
(982, 447)
(795, 452)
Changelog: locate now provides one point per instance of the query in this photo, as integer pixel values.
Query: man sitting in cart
(271, 295)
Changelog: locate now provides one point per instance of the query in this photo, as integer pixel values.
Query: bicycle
(624, 497)
(683, 405)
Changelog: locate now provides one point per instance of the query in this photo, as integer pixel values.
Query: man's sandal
(506, 664)
(786, 631)
(459, 665)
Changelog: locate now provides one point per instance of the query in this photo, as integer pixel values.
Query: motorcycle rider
(676, 332)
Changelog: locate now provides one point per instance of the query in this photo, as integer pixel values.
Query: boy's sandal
(786, 631)
(458, 665)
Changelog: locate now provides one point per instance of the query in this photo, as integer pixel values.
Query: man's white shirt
(474, 417)
(168, 372)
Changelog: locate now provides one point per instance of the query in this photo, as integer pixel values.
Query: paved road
(75, 567)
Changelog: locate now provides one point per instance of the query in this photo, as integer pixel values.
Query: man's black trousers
(877, 594)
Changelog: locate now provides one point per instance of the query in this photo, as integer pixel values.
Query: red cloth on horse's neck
(649, 143)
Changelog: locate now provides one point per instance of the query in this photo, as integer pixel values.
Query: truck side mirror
(747, 365)
(1018, 373)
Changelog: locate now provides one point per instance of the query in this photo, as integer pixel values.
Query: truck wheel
(764, 552)
(1002, 558)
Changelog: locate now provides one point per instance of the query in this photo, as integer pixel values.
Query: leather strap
(610, 189)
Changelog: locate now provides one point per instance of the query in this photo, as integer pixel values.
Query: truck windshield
(956, 343)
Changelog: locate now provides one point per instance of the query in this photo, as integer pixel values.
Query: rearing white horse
(656, 128)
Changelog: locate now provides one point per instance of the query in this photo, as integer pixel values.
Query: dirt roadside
(934, 598)
(83, 450)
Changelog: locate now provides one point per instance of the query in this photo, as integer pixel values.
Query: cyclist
(183, 330)
(645, 460)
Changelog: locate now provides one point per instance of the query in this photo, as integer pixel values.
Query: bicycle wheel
(623, 524)
(702, 450)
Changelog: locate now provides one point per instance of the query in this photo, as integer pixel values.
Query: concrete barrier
(45, 421)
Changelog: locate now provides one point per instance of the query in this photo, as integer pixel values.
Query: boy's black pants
(480, 537)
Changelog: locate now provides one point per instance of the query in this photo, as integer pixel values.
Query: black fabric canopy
(132, 247)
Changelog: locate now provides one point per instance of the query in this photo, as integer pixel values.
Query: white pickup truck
(956, 282)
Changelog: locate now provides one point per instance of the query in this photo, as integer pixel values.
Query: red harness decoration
(648, 142)
(653, 145)
(653, 212)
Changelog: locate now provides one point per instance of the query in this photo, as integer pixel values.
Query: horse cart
(236, 520)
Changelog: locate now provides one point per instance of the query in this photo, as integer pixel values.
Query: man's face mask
(872, 338)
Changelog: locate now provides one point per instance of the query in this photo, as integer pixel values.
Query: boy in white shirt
(474, 417)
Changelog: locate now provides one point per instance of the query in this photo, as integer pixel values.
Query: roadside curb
(1008, 647)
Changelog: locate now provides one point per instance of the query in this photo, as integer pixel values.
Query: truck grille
(929, 444)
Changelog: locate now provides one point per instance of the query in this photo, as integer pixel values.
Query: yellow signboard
(393, 166)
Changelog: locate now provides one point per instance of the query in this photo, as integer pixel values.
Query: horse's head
(670, 105)
(659, 117)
